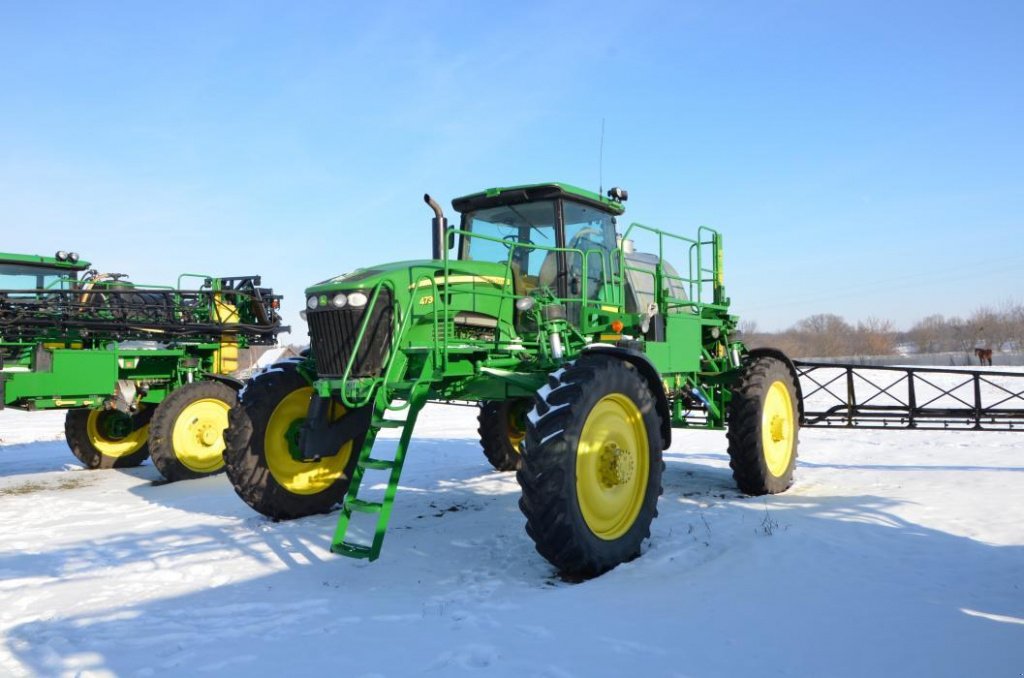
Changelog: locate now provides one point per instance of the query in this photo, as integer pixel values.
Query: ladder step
(382, 509)
(378, 464)
(353, 550)
(363, 506)
(388, 423)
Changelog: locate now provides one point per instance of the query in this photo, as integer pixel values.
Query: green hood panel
(407, 275)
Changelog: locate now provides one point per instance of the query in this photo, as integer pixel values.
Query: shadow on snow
(819, 586)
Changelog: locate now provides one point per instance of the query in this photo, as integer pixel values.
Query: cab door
(587, 270)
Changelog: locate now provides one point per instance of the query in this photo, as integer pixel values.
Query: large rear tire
(108, 438)
(502, 431)
(261, 435)
(764, 426)
(591, 466)
(186, 437)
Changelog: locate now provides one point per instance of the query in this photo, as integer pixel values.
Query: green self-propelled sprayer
(582, 351)
(143, 371)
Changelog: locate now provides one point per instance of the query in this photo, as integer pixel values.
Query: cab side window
(593, 233)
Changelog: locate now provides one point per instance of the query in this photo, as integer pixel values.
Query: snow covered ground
(896, 553)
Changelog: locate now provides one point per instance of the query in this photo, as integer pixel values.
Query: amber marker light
(617, 326)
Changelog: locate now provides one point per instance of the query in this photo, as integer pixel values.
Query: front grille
(333, 332)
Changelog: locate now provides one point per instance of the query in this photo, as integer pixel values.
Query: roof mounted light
(618, 194)
(61, 255)
(73, 257)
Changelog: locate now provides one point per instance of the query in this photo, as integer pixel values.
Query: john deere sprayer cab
(141, 370)
(583, 352)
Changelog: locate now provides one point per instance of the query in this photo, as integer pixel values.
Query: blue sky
(861, 158)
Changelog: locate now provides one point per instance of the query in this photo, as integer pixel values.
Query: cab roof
(38, 260)
(515, 195)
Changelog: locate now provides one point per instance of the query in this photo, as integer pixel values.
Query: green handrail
(347, 373)
(583, 255)
(695, 283)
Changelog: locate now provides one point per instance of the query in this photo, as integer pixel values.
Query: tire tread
(547, 474)
(746, 457)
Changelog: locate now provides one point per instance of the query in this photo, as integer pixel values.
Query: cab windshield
(22, 277)
(495, 232)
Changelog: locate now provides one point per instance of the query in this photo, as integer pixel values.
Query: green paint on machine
(75, 339)
(536, 296)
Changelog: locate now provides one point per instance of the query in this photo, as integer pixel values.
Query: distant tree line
(826, 335)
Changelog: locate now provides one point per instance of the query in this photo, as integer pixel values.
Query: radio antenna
(600, 163)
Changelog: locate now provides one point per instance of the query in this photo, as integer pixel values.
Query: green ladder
(352, 503)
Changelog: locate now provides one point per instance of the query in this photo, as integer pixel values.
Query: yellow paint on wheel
(198, 435)
(300, 477)
(612, 466)
(516, 435)
(107, 443)
(777, 429)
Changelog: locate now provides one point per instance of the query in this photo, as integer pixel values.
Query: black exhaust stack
(440, 226)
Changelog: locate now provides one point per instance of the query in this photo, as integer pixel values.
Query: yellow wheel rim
(777, 429)
(109, 444)
(198, 435)
(300, 477)
(516, 435)
(612, 466)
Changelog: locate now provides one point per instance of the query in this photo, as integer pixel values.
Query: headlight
(525, 304)
(311, 303)
(357, 300)
(339, 300)
(302, 314)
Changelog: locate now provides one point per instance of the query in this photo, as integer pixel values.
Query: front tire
(108, 438)
(262, 433)
(502, 431)
(764, 427)
(187, 431)
(592, 466)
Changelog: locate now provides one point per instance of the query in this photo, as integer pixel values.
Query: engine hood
(408, 275)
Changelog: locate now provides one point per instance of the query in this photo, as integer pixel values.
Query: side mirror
(451, 239)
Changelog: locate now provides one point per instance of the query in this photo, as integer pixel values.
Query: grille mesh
(332, 334)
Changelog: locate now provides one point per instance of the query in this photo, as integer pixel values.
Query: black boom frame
(926, 398)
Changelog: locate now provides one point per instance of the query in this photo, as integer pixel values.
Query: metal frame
(911, 398)
(143, 313)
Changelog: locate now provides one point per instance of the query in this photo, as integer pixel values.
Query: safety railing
(505, 297)
(703, 282)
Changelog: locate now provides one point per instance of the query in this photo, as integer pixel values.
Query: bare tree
(826, 335)
(874, 336)
(929, 334)
(1013, 312)
(987, 328)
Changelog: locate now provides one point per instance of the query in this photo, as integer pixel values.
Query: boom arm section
(115, 310)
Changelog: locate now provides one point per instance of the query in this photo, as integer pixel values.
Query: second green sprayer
(142, 371)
